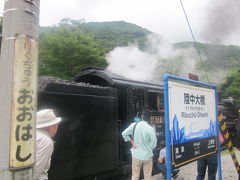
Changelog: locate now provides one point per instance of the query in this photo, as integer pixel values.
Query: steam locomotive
(96, 107)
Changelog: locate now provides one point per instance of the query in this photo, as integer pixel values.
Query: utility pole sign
(191, 120)
(22, 145)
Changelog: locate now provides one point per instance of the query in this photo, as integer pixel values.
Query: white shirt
(44, 150)
(144, 138)
(162, 153)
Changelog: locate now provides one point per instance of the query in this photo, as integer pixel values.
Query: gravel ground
(189, 171)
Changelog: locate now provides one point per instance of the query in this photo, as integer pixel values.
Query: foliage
(74, 44)
(216, 56)
(110, 34)
(231, 87)
(64, 52)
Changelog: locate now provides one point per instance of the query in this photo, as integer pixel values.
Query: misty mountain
(113, 34)
(107, 34)
(119, 33)
(100, 38)
(216, 56)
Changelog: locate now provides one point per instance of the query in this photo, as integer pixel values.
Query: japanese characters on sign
(157, 121)
(191, 99)
(22, 146)
(192, 122)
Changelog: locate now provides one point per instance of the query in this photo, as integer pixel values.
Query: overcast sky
(164, 17)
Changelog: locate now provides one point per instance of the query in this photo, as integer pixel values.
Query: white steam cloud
(132, 63)
(159, 58)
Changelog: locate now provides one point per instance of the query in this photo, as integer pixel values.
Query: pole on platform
(18, 82)
(224, 132)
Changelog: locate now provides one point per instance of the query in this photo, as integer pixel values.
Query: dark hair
(139, 114)
(146, 114)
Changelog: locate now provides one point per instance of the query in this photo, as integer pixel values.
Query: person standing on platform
(143, 140)
(210, 162)
(47, 125)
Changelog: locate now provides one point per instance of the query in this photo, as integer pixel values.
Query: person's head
(47, 121)
(162, 144)
(146, 115)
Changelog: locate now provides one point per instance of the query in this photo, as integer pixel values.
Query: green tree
(109, 34)
(231, 88)
(64, 52)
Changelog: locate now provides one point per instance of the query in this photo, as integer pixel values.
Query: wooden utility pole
(18, 80)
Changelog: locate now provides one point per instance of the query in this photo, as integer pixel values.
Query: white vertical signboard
(191, 120)
(192, 115)
(22, 145)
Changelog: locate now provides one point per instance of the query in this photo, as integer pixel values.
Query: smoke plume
(222, 20)
(158, 58)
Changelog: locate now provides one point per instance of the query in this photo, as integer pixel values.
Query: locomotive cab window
(155, 101)
(138, 100)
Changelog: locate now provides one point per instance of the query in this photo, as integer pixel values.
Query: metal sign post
(191, 119)
(224, 131)
(18, 82)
